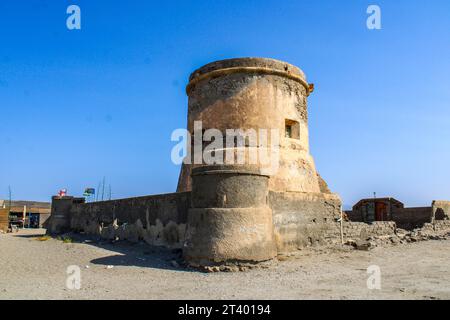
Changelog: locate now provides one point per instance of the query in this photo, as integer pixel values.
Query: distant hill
(21, 203)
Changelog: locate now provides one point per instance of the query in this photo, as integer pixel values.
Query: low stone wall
(437, 226)
(354, 215)
(303, 219)
(361, 230)
(299, 219)
(411, 218)
(441, 225)
(158, 220)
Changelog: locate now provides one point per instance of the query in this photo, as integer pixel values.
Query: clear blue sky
(103, 101)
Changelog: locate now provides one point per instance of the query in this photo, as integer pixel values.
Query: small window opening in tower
(288, 131)
(292, 129)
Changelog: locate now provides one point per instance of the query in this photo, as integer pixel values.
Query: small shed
(376, 209)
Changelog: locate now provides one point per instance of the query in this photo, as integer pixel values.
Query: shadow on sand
(127, 253)
(134, 254)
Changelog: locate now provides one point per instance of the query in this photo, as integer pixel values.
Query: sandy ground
(32, 269)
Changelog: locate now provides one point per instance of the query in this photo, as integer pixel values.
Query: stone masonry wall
(405, 218)
(302, 220)
(441, 225)
(158, 220)
(440, 210)
(299, 219)
(361, 230)
(411, 218)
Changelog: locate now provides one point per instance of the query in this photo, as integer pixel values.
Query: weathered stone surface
(256, 93)
(228, 187)
(230, 219)
(236, 216)
(440, 210)
(304, 219)
(159, 220)
(61, 214)
(218, 235)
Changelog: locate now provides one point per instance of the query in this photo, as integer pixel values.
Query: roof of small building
(385, 199)
(32, 206)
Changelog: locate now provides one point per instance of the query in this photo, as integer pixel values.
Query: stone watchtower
(231, 208)
(241, 213)
(256, 93)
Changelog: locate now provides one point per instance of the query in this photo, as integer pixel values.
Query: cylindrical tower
(259, 94)
(230, 220)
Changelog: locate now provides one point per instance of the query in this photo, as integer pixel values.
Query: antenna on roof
(103, 188)
(10, 199)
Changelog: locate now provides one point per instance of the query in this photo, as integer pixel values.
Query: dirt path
(31, 269)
